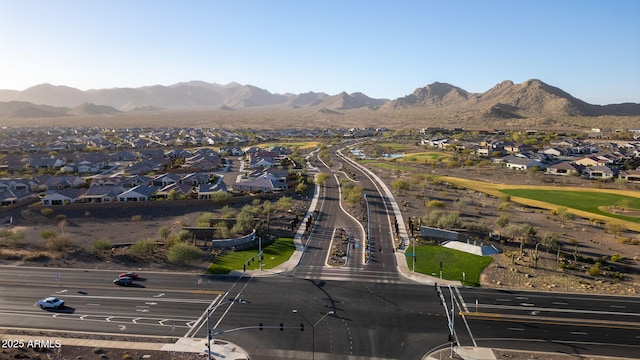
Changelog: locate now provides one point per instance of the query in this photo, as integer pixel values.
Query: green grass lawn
(454, 263)
(274, 255)
(588, 201)
(386, 165)
(395, 146)
(425, 157)
(292, 144)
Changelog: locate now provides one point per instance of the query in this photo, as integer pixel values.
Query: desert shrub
(101, 244)
(301, 187)
(126, 356)
(321, 178)
(182, 253)
(284, 203)
(616, 258)
(594, 271)
(12, 234)
(136, 218)
(222, 230)
(220, 196)
(478, 227)
(59, 243)
(61, 217)
(204, 220)
(170, 242)
(39, 256)
(435, 204)
(184, 235)
(97, 351)
(504, 206)
(48, 212)
(142, 247)
(48, 233)
(228, 212)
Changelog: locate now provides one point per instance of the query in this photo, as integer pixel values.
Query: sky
(384, 49)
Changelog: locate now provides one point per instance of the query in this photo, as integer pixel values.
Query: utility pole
(313, 329)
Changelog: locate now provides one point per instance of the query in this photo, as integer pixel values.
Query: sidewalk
(220, 349)
(476, 353)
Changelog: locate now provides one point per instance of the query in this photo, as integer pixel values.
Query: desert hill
(509, 100)
(531, 103)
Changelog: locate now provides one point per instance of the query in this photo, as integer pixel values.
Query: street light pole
(313, 329)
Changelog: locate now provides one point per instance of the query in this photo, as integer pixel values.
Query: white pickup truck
(50, 303)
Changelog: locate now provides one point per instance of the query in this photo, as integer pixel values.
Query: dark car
(124, 281)
(131, 274)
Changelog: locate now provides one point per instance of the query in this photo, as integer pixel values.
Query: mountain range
(506, 100)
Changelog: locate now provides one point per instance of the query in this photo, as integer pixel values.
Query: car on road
(50, 303)
(130, 274)
(124, 281)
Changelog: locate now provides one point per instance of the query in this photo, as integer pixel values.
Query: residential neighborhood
(96, 165)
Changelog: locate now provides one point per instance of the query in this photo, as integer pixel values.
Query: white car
(50, 303)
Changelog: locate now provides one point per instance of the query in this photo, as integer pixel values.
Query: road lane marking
(555, 321)
(559, 303)
(145, 299)
(515, 329)
(579, 333)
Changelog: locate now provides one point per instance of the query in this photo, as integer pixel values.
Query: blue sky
(385, 49)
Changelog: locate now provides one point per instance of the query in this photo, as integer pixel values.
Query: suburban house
(196, 179)
(98, 193)
(264, 182)
(87, 167)
(12, 190)
(206, 191)
(599, 172)
(593, 161)
(62, 197)
(519, 162)
(180, 189)
(138, 193)
(564, 168)
(165, 179)
(630, 175)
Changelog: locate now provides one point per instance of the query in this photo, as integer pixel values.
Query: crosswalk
(346, 274)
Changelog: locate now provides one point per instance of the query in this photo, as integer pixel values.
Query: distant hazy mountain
(93, 109)
(344, 101)
(506, 100)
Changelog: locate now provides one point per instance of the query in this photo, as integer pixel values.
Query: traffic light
(281, 327)
(301, 327)
(260, 326)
